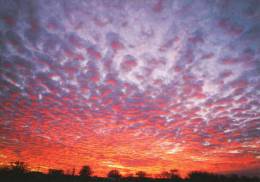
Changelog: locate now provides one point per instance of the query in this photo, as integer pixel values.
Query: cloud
(95, 81)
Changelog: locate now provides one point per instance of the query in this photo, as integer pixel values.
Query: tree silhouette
(18, 167)
(114, 174)
(73, 172)
(56, 172)
(85, 172)
(141, 174)
(18, 172)
(197, 176)
(165, 175)
(172, 174)
(4, 170)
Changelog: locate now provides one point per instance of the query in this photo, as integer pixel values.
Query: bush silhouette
(141, 174)
(114, 174)
(172, 175)
(85, 172)
(56, 172)
(19, 172)
(19, 167)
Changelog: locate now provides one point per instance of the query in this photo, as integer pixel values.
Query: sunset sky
(132, 85)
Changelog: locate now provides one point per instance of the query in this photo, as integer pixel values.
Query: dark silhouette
(19, 172)
(73, 172)
(114, 174)
(141, 174)
(56, 172)
(18, 167)
(85, 172)
(173, 174)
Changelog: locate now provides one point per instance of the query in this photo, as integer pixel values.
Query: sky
(132, 85)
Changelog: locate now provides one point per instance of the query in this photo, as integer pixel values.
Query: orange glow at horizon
(75, 144)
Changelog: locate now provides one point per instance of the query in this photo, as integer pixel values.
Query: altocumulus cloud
(134, 85)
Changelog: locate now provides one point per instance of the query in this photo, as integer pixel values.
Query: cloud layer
(133, 85)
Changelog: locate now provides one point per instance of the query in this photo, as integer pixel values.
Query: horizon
(19, 165)
(133, 85)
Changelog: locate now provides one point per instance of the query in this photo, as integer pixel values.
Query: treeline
(19, 172)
